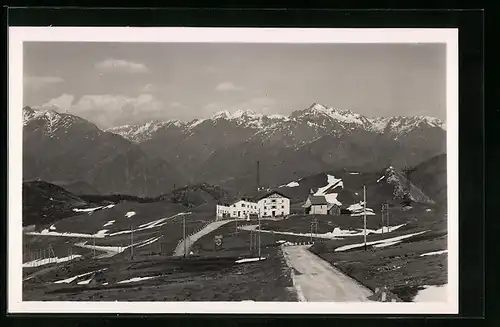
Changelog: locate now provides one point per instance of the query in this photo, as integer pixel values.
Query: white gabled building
(240, 209)
(319, 205)
(222, 211)
(273, 204)
(243, 209)
(316, 205)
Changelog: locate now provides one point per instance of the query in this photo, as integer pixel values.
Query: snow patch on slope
(432, 293)
(434, 253)
(333, 183)
(42, 262)
(387, 240)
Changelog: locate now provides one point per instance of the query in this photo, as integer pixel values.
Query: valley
(115, 255)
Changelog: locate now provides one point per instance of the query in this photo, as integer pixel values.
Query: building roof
(332, 205)
(317, 199)
(271, 193)
(246, 199)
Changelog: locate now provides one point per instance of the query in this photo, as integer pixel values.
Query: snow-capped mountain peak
(52, 121)
(238, 114)
(299, 128)
(317, 110)
(143, 132)
(51, 116)
(400, 125)
(224, 114)
(243, 118)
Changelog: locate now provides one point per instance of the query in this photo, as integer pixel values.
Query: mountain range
(148, 159)
(68, 150)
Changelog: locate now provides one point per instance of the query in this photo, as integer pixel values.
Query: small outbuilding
(316, 205)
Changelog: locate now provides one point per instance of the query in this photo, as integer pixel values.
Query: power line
(364, 213)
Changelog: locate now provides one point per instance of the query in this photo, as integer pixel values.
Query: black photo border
(471, 138)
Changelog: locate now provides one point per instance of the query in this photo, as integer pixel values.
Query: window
(282, 207)
(274, 200)
(243, 205)
(273, 207)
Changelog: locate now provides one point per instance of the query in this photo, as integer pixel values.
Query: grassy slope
(238, 243)
(44, 203)
(418, 216)
(220, 280)
(398, 267)
(235, 282)
(146, 212)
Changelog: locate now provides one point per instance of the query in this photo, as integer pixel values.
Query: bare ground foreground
(316, 280)
(334, 269)
(157, 278)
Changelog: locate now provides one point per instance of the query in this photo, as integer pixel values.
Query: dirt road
(255, 227)
(179, 250)
(318, 281)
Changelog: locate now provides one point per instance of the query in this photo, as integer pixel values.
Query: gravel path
(179, 250)
(318, 281)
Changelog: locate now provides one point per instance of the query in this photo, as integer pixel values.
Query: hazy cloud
(117, 65)
(107, 110)
(148, 88)
(263, 105)
(227, 86)
(61, 103)
(39, 82)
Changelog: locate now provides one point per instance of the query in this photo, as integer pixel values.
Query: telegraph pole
(311, 231)
(129, 215)
(382, 214)
(316, 226)
(184, 233)
(387, 216)
(131, 240)
(364, 212)
(93, 238)
(259, 238)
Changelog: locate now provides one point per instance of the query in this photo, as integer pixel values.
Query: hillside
(78, 188)
(346, 186)
(69, 150)
(44, 203)
(197, 194)
(430, 176)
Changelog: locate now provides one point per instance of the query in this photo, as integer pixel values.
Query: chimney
(258, 175)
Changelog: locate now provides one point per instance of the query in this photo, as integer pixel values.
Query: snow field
(381, 243)
(432, 293)
(42, 262)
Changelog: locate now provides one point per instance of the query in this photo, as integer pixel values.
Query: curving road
(179, 250)
(318, 281)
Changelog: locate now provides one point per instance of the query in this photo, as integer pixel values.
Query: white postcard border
(18, 35)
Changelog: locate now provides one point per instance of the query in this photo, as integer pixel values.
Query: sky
(113, 84)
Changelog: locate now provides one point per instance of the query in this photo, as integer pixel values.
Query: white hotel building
(273, 204)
